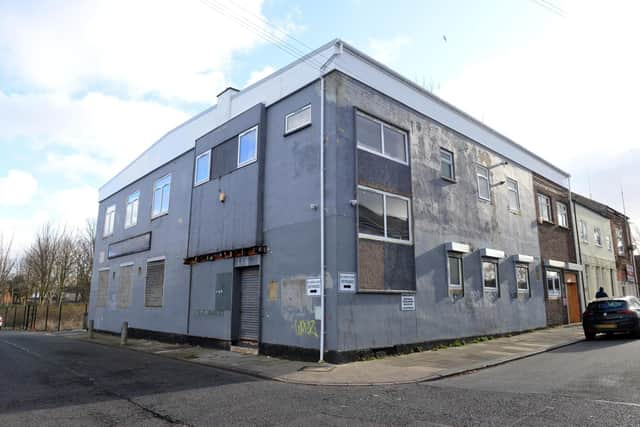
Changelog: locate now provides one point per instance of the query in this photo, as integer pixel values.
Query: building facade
(418, 222)
(560, 270)
(623, 251)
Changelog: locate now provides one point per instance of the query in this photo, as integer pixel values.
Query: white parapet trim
(575, 267)
(492, 253)
(555, 263)
(523, 258)
(458, 247)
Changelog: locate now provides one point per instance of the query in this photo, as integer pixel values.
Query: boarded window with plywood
(124, 290)
(103, 288)
(154, 286)
(385, 266)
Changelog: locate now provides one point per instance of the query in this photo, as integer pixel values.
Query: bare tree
(7, 265)
(84, 253)
(63, 265)
(39, 262)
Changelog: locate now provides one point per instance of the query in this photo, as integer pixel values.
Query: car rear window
(608, 305)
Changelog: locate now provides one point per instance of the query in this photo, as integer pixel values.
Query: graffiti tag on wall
(305, 328)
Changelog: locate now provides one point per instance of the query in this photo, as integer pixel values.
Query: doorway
(249, 316)
(573, 298)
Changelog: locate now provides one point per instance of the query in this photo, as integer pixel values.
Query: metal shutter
(249, 304)
(124, 291)
(103, 287)
(154, 285)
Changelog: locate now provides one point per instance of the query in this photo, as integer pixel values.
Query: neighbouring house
(560, 270)
(623, 252)
(419, 222)
(595, 246)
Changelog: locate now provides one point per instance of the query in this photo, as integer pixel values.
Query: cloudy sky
(86, 86)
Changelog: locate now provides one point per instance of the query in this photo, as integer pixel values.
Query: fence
(44, 317)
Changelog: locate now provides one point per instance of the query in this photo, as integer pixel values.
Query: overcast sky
(86, 86)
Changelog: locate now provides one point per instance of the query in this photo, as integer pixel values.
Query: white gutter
(322, 295)
(578, 250)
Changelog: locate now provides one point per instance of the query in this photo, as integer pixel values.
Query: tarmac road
(51, 380)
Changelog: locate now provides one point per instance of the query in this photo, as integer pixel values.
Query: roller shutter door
(249, 304)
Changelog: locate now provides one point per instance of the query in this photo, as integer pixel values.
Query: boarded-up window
(155, 283)
(103, 287)
(124, 290)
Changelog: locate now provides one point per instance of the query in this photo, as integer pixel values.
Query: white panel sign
(313, 285)
(408, 303)
(347, 282)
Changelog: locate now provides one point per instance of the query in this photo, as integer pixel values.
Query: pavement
(391, 370)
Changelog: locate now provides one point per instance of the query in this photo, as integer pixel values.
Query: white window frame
(129, 220)
(516, 190)
(109, 221)
(255, 157)
(547, 204)
(620, 250)
(489, 289)
(597, 236)
(288, 131)
(195, 172)
(564, 222)
(155, 187)
(451, 163)
(382, 153)
(487, 178)
(555, 293)
(528, 289)
(584, 231)
(384, 216)
(607, 239)
(460, 271)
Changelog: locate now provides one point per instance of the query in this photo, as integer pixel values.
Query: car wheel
(589, 336)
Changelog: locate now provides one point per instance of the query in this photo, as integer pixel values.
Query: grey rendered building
(333, 173)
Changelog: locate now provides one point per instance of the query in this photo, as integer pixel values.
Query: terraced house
(331, 208)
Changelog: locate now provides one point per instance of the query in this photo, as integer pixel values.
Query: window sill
(482, 199)
(198, 184)
(298, 129)
(515, 211)
(451, 180)
(246, 163)
(159, 215)
(384, 239)
(489, 290)
(384, 291)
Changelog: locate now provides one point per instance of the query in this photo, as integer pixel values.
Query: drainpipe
(322, 293)
(576, 245)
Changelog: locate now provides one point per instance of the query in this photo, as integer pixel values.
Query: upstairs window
(109, 221)
(513, 195)
(553, 284)
(584, 234)
(544, 207)
(131, 214)
(454, 270)
(619, 241)
(383, 216)
(608, 240)
(490, 276)
(380, 138)
(447, 167)
(161, 193)
(482, 176)
(597, 236)
(248, 147)
(297, 120)
(522, 278)
(563, 216)
(203, 167)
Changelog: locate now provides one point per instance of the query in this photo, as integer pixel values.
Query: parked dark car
(611, 315)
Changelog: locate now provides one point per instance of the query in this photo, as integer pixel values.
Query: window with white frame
(544, 207)
(109, 221)
(607, 239)
(203, 168)
(553, 284)
(619, 241)
(484, 187)
(513, 195)
(490, 275)
(447, 166)
(563, 215)
(597, 236)
(161, 193)
(131, 213)
(297, 119)
(522, 277)
(380, 138)
(584, 233)
(248, 146)
(383, 216)
(454, 271)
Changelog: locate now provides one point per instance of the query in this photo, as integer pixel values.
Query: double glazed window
(447, 166)
(161, 193)
(619, 241)
(381, 138)
(109, 221)
(597, 236)
(513, 195)
(563, 216)
(522, 278)
(131, 213)
(544, 207)
(490, 276)
(584, 234)
(553, 284)
(297, 119)
(383, 216)
(608, 240)
(484, 188)
(248, 146)
(203, 168)
(454, 270)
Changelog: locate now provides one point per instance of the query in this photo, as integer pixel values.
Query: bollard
(123, 333)
(90, 329)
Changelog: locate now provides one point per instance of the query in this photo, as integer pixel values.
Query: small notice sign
(347, 282)
(313, 285)
(408, 303)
